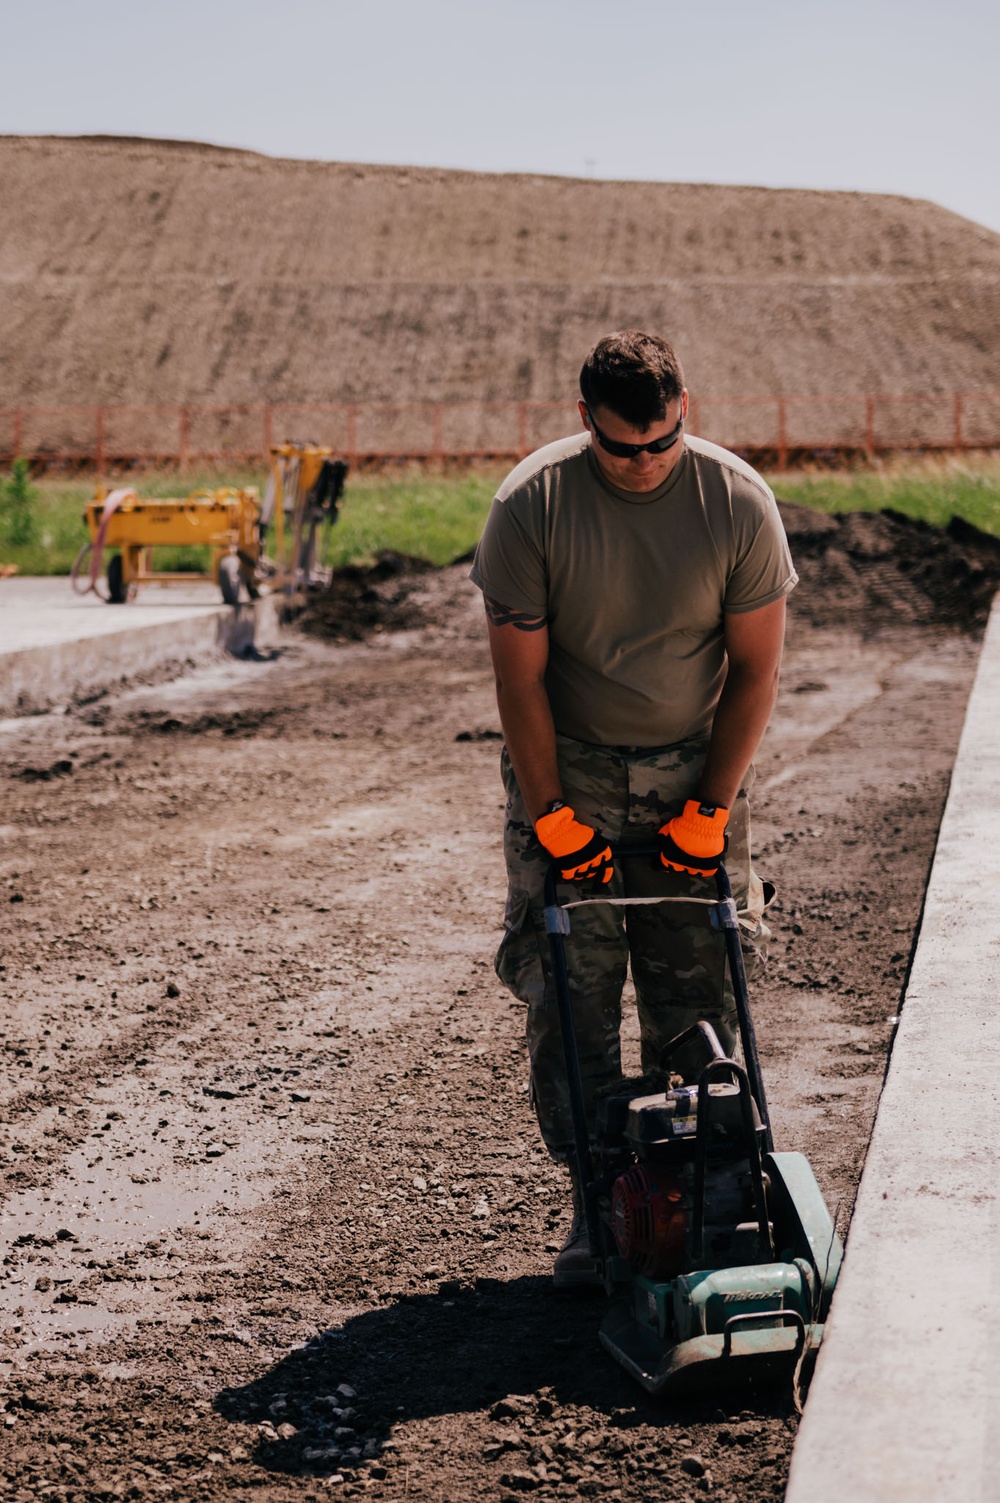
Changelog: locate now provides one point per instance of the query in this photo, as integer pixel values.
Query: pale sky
(894, 96)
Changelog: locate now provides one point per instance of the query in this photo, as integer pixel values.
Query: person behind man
(634, 580)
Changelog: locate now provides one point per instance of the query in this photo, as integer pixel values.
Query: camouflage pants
(677, 959)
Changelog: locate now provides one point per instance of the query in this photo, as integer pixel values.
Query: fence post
(870, 427)
(958, 440)
(182, 442)
(782, 434)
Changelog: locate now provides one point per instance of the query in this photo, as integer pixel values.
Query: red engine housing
(650, 1221)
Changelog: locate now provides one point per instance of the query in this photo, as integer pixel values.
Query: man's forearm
(530, 735)
(741, 718)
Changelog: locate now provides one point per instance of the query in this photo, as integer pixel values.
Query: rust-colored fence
(777, 429)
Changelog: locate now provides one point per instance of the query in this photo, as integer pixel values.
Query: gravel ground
(275, 1216)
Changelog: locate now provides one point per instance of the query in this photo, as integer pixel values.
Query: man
(634, 580)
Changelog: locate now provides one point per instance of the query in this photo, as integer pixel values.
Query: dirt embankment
(276, 1219)
(144, 272)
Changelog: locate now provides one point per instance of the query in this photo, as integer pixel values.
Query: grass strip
(439, 516)
(929, 494)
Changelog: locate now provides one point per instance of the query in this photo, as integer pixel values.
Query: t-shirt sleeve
(509, 565)
(763, 571)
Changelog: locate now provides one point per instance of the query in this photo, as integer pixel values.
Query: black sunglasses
(630, 451)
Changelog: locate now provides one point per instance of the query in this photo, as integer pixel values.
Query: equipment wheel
(229, 579)
(117, 588)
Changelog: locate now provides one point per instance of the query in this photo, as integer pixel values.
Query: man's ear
(584, 414)
(684, 402)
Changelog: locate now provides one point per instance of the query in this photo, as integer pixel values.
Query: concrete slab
(905, 1403)
(56, 647)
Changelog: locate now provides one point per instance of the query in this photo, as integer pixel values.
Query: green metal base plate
(753, 1356)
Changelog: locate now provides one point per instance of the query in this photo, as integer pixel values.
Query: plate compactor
(718, 1255)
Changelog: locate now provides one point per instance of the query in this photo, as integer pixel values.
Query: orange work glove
(581, 852)
(695, 840)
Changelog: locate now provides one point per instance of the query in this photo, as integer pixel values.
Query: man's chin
(648, 482)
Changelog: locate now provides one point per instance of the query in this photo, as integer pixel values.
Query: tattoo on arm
(504, 615)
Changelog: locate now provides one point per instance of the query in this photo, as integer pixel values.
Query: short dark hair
(634, 375)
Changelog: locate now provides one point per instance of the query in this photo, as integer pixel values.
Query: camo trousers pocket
(518, 962)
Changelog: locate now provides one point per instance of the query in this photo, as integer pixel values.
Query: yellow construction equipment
(302, 495)
(224, 520)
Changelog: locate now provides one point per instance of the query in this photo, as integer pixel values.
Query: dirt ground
(276, 1221)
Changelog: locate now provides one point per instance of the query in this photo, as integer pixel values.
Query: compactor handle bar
(557, 923)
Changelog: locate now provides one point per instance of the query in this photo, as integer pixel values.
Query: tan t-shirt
(634, 585)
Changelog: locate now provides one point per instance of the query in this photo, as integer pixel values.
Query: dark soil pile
(879, 569)
(360, 601)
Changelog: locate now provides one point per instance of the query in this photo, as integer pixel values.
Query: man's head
(634, 402)
(632, 374)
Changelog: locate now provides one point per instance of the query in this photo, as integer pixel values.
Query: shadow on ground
(510, 1349)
